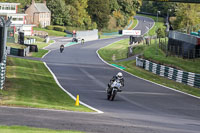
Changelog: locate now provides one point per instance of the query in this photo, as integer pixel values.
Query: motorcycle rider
(61, 48)
(118, 76)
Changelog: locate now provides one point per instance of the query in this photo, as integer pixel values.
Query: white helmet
(119, 75)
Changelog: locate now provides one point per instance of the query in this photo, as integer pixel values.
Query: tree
(126, 10)
(153, 7)
(79, 14)
(59, 12)
(99, 11)
(187, 16)
(114, 6)
(160, 33)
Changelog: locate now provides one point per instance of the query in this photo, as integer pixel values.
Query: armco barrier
(180, 76)
(2, 73)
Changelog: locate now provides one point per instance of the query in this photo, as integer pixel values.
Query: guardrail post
(3, 54)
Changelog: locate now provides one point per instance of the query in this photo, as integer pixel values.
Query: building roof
(41, 7)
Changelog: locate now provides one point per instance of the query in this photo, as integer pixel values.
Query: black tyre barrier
(33, 48)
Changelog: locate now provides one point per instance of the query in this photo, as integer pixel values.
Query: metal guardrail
(180, 76)
(2, 73)
(4, 24)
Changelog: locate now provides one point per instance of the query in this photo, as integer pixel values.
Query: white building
(8, 7)
(18, 19)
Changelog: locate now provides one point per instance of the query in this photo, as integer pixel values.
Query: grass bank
(149, 52)
(51, 32)
(41, 51)
(30, 84)
(23, 129)
(190, 65)
(15, 45)
(117, 51)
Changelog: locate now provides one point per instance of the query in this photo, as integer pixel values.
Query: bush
(59, 28)
(70, 28)
(49, 27)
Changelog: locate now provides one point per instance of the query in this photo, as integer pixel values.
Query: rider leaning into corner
(118, 76)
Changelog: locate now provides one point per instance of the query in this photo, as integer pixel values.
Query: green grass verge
(15, 45)
(118, 49)
(38, 39)
(24, 129)
(155, 54)
(30, 84)
(107, 52)
(41, 45)
(39, 54)
(41, 51)
(51, 32)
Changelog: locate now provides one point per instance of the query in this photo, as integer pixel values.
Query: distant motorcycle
(113, 89)
(61, 48)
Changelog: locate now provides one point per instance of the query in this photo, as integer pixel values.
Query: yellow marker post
(77, 101)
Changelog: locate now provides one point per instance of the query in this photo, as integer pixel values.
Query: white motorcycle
(114, 88)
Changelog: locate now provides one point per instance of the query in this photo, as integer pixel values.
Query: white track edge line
(48, 50)
(45, 109)
(137, 23)
(49, 44)
(145, 79)
(70, 93)
(46, 54)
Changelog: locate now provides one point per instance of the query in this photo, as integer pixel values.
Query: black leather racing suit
(112, 80)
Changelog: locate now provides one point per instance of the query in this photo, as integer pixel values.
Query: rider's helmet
(119, 75)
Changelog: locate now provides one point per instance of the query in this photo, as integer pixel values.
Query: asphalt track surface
(142, 107)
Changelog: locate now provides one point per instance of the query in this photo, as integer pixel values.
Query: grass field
(30, 84)
(38, 54)
(23, 129)
(118, 48)
(51, 32)
(41, 51)
(15, 45)
(191, 65)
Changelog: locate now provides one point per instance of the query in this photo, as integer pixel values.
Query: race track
(142, 107)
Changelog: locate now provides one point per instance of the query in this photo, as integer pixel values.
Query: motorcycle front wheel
(112, 97)
(108, 94)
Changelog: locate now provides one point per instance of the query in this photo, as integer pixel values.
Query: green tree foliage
(187, 16)
(79, 14)
(160, 33)
(87, 14)
(114, 6)
(59, 12)
(99, 11)
(124, 10)
(153, 7)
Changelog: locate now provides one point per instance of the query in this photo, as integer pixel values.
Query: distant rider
(61, 48)
(118, 76)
